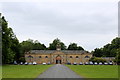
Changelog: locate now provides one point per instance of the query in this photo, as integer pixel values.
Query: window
(46, 56)
(70, 56)
(40, 57)
(77, 57)
(87, 57)
(30, 56)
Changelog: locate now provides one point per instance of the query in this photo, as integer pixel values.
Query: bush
(22, 59)
(94, 59)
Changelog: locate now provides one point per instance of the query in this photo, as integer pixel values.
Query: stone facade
(57, 56)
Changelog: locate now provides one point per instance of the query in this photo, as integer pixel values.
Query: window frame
(71, 56)
(77, 56)
(87, 56)
(46, 56)
(40, 56)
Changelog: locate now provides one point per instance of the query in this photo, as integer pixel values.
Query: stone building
(57, 56)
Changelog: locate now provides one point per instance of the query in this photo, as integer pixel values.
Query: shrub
(94, 59)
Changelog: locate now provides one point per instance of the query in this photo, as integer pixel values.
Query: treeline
(109, 50)
(36, 45)
(13, 50)
(10, 43)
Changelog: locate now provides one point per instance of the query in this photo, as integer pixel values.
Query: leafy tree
(97, 52)
(10, 43)
(52, 46)
(38, 46)
(73, 46)
(117, 58)
(116, 43)
(31, 45)
(0, 36)
(80, 48)
(22, 59)
(109, 50)
(27, 45)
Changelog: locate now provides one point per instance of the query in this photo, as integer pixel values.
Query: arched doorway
(58, 60)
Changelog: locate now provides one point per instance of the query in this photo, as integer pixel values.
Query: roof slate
(53, 51)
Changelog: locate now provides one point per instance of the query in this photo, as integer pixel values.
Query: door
(58, 60)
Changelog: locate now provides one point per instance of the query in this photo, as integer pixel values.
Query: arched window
(30, 56)
(40, 57)
(87, 57)
(77, 57)
(70, 56)
(46, 56)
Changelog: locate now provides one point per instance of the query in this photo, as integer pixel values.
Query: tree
(80, 48)
(10, 43)
(52, 46)
(117, 58)
(109, 50)
(31, 45)
(73, 46)
(26, 45)
(38, 46)
(116, 43)
(97, 52)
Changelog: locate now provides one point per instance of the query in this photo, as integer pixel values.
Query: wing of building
(58, 56)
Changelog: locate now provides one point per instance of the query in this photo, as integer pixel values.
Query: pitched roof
(52, 51)
(42, 51)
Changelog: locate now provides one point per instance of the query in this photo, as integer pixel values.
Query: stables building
(57, 56)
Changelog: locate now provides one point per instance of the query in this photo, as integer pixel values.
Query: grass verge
(23, 71)
(95, 71)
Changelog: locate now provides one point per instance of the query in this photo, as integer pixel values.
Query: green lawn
(0, 72)
(95, 71)
(23, 71)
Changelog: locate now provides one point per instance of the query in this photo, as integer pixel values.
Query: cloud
(85, 23)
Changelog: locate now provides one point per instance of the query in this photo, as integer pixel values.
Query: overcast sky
(90, 24)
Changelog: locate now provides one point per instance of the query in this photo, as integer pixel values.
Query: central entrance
(58, 60)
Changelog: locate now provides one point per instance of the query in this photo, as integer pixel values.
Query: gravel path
(59, 71)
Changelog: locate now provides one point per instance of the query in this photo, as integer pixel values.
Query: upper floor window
(30, 56)
(77, 57)
(87, 57)
(40, 57)
(70, 56)
(46, 56)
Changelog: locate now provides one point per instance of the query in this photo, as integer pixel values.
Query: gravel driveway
(59, 71)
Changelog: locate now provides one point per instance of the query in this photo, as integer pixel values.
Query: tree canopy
(73, 46)
(52, 46)
(10, 43)
(109, 50)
